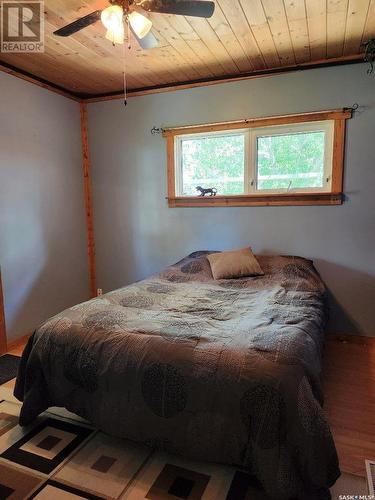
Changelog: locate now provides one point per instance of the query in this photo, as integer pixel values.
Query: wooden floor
(349, 386)
(16, 348)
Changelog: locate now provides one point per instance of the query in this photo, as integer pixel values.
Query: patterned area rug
(8, 367)
(62, 457)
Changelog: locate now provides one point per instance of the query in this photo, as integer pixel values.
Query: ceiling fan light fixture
(140, 24)
(112, 18)
(116, 37)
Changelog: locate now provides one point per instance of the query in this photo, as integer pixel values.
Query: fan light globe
(140, 24)
(112, 18)
(115, 37)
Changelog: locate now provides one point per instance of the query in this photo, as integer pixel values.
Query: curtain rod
(161, 130)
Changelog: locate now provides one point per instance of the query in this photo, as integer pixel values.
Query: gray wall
(42, 224)
(136, 234)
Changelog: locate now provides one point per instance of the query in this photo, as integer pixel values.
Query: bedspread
(225, 371)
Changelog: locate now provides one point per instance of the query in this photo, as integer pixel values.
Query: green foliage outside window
(283, 161)
(294, 160)
(214, 162)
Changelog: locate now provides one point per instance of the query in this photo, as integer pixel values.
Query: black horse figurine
(204, 191)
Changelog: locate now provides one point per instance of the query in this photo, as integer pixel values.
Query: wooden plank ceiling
(243, 36)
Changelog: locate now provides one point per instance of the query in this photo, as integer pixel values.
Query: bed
(225, 371)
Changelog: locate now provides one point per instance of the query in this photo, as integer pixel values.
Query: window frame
(333, 121)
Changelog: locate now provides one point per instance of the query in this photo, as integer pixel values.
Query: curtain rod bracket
(155, 130)
(352, 108)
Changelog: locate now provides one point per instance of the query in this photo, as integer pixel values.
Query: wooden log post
(88, 200)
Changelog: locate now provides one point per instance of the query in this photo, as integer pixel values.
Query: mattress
(225, 371)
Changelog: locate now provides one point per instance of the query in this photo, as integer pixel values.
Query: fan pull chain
(124, 73)
(126, 22)
(129, 35)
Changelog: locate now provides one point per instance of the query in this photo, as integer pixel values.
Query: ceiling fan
(134, 12)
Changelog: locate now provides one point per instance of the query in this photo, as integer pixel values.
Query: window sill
(258, 200)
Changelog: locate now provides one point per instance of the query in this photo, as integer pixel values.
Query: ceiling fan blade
(79, 24)
(196, 8)
(147, 42)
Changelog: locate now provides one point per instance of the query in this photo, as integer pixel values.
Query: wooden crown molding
(173, 86)
(40, 82)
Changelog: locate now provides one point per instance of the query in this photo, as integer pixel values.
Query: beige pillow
(234, 264)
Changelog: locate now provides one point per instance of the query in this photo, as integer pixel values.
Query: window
(295, 159)
(216, 160)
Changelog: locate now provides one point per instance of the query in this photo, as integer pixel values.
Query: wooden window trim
(333, 197)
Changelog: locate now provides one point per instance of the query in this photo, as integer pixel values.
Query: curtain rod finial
(156, 130)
